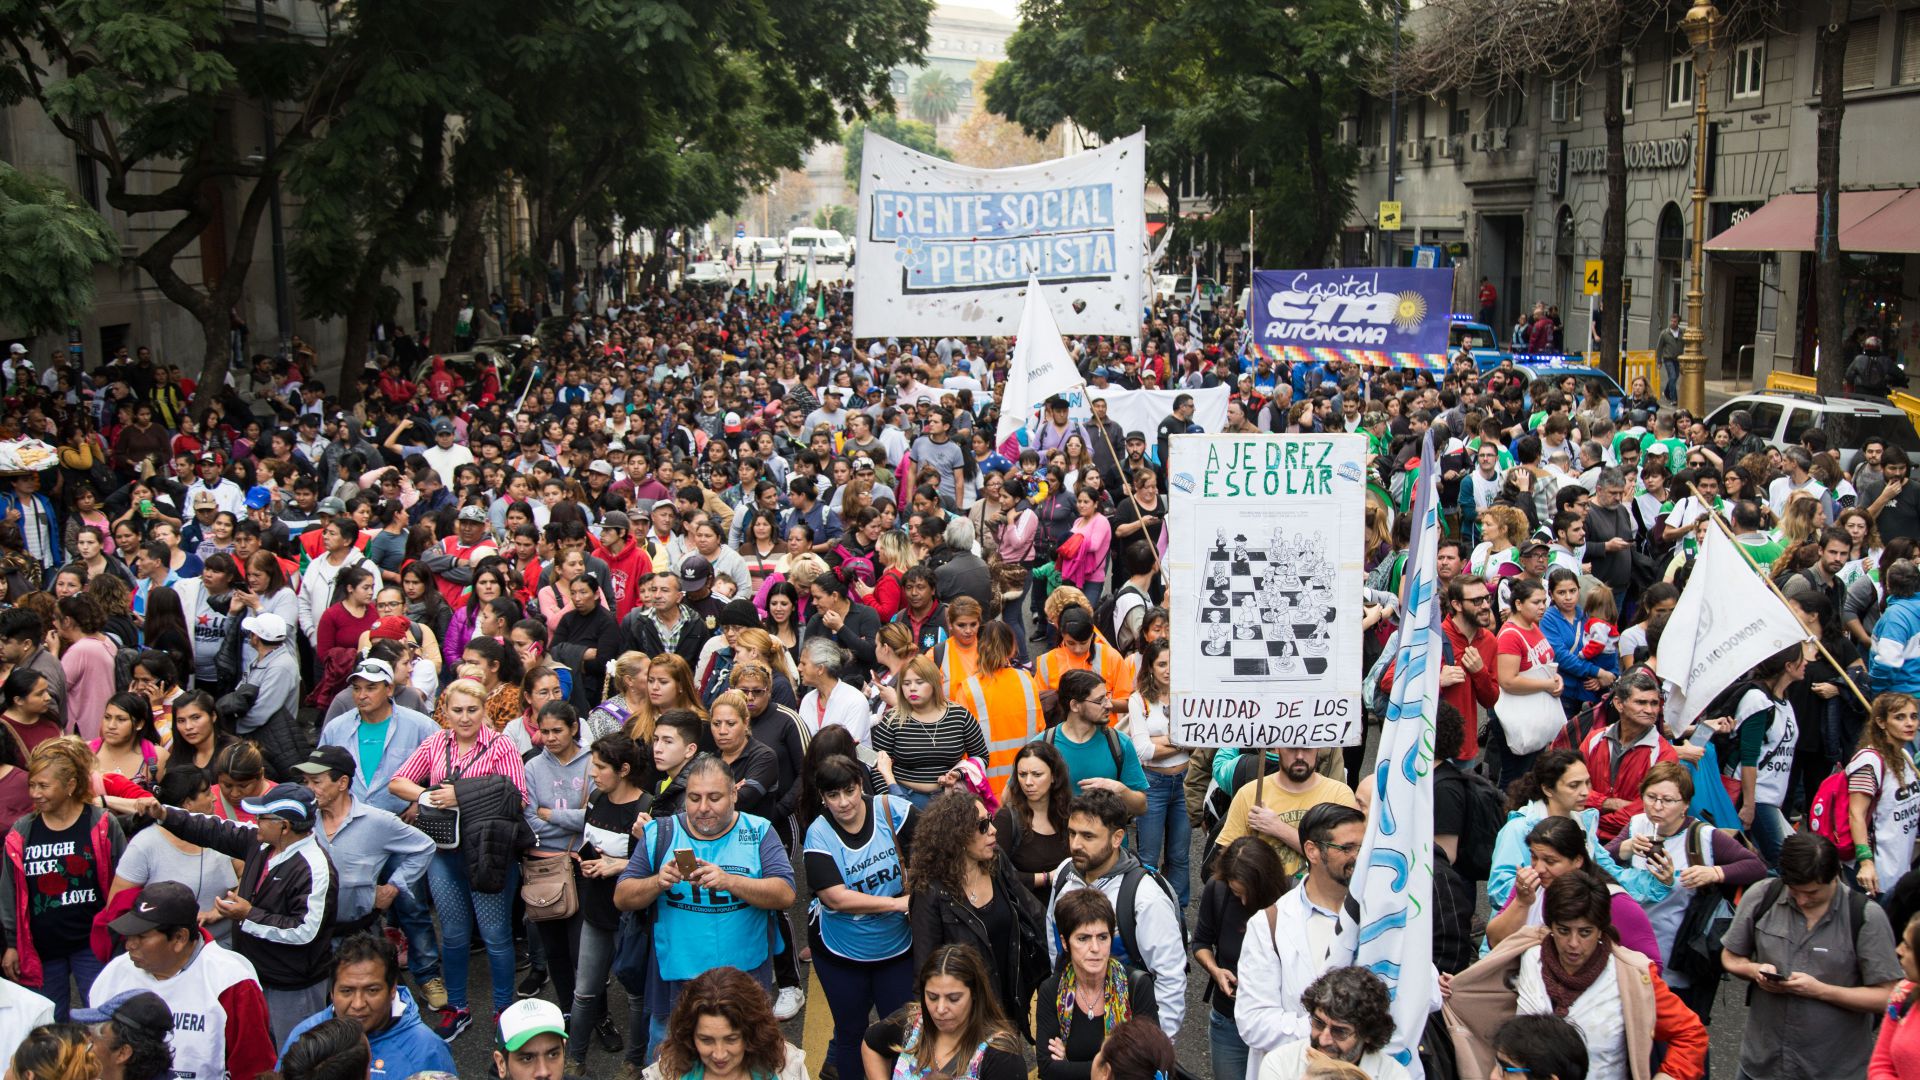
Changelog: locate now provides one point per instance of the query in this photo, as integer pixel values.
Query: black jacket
(577, 633)
(288, 936)
(858, 631)
(757, 772)
(493, 830)
(937, 919)
(962, 573)
(639, 632)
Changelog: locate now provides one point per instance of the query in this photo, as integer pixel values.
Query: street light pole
(1701, 22)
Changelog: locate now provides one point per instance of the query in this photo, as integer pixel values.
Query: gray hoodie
(562, 790)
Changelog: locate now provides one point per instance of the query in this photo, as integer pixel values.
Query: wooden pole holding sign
(1722, 524)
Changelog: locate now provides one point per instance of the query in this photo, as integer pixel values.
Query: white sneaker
(787, 1005)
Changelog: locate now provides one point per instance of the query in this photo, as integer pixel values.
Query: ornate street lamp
(1702, 23)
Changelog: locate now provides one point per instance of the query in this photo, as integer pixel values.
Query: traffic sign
(1389, 216)
(739, 229)
(1590, 284)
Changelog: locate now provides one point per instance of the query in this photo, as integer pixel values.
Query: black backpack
(1126, 913)
(1486, 815)
(1103, 613)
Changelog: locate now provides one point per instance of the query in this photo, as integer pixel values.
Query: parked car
(1781, 416)
(708, 272)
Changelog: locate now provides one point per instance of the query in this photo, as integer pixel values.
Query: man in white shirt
(227, 495)
(1798, 478)
(446, 455)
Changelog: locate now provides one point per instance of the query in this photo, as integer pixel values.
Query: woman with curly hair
(722, 1028)
(964, 890)
(953, 1028)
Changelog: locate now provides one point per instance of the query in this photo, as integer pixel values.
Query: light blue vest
(699, 929)
(873, 869)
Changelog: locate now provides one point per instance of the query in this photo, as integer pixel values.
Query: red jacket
(1480, 689)
(104, 838)
(1620, 779)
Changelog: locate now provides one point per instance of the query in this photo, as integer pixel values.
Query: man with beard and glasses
(1310, 930)
(1467, 679)
(1286, 797)
(1350, 1019)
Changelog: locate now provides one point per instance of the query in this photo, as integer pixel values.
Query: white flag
(1041, 368)
(1393, 879)
(1727, 621)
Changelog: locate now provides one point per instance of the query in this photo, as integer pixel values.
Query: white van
(826, 245)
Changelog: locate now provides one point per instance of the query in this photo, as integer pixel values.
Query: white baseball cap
(266, 626)
(17, 349)
(528, 1017)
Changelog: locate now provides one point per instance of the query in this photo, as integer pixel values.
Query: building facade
(1512, 187)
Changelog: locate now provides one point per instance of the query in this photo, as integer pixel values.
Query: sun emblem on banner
(1410, 312)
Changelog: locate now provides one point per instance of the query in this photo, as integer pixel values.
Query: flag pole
(1722, 524)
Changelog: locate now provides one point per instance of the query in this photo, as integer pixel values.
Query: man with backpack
(1823, 961)
(1150, 932)
(1468, 811)
(1872, 371)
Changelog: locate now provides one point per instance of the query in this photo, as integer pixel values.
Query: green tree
(1264, 120)
(54, 242)
(145, 90)
(912, 134)
(934, 97)
(838, 218)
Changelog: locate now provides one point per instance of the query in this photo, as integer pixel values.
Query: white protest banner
(1142, 410)
(1264, 562)
(1041, 368)
(948, 249)
(1727, 621)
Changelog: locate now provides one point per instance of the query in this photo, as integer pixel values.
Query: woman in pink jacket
(1083, 562)
(86, 657)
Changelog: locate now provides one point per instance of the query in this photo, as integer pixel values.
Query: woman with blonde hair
(626, 695)
(669, 683)
(922, 742)
(800, 571)
(50, 942)
(57, 1051)
(896, 556)
(1801, 521)
(753, 644)
(1498, 554)
(1004, 700)
(895, 647)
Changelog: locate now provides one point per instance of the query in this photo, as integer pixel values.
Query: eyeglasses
(1344, 849)
(1661, 800)
(985, 826)
(1342, 1032)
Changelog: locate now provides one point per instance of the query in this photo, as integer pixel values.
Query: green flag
(820, 306)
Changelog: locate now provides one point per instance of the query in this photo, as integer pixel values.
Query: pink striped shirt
(493, 755)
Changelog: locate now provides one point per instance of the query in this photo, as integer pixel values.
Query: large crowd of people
(596, 667)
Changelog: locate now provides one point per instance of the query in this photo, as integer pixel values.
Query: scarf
(1563, 986)
(1117, 1006)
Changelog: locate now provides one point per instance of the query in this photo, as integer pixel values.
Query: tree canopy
(911, 134)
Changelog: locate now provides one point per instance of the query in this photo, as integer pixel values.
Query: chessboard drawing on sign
(1268, 610)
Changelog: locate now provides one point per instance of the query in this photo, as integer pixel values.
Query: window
(1680, 81)
(1863, 54)
(1458, 120)
(1749, 69)
(1906, 70)
(1626, 88)
(87, 173)
(1506, 109)
(1560, 101)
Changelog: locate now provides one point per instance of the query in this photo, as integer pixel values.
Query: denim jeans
(1166, 836)
(415, 920)
(856, 990)
(1670, 380)
(81, 966)
(460, 908)
(1229, 1049)
(1094, 590)
(593, 967)
(918, 799)
(1769, 831)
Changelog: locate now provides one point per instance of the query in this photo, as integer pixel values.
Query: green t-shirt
(1764, 548)
(373, 743)
(1676, 452)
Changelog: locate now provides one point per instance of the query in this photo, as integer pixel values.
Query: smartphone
(684, 857)
(1773, 976)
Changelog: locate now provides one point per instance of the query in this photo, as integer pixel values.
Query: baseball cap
(327, 759)
(732, 423)
(616, 519)
(209, 459)
(374, 669)
(1136, 436)
(739, 613)
(443, 426)
(1076, 623)
(1659, 449)
(695, 572)
(528, 1017)
(259, 498)
(391, 628)
(601, 466)
(1535, 544)
(17, 349)
(203, 497)
(331, 505)
(160, 903)
(474, 514)
(862, 462)
(266, 626)
(288, 802)
(141, 1009)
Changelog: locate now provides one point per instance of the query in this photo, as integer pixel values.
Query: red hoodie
(628, 568)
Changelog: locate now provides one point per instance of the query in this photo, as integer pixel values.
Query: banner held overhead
(949, 249)
(1378, 317)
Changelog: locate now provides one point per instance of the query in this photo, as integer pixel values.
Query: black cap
(327, 759)
(1076, 623)
(739, 613)
(160, 903)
